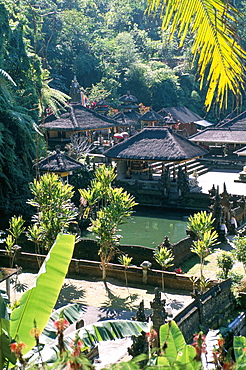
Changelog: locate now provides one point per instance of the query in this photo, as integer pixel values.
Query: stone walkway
(218, 178)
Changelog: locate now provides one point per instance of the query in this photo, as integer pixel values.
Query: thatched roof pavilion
(152, 144)
(128, 98)
(224, 138)
(156, 144)
(128, 102)
(181, 114)
(59, 163)
(79, 119)
(183, 119)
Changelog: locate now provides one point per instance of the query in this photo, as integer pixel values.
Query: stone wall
(87, 268)
(206, 311)
(87, 249)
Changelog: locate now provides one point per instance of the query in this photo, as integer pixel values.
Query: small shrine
(128, 103)
(151, 118)
(59, 163)
(102, 107)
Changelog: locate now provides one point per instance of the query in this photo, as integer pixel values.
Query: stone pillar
(145, 266)
(159, 314)
(121, 169)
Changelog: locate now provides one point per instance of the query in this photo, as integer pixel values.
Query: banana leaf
(94, 333)
(37, 303)
(171, 335)
(70, 312)
(5, 340)
(186, 358)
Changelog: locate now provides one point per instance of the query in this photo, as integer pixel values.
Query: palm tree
(164, 257)
(115, 207)
(219, 57)
(201, 224)
(126, 262)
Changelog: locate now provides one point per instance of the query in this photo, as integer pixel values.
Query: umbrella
(125, 134)
(118, 136)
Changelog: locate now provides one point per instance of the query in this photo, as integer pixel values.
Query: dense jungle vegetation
(112, 47)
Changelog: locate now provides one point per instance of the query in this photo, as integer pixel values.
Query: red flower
(221, 342)
(61, 324)
(35, 333)
(178, 271)
(199, 345)
(17, 348)
(77, 347)
(151, 335)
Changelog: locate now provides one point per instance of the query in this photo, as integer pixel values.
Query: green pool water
(148, 227)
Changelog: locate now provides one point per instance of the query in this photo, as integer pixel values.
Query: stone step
(191, 166)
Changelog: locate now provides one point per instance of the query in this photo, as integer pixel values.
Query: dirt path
(102, 301)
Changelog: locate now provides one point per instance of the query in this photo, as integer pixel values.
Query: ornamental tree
(240, 249)
(115, 206)
(201, 224)
(164, 257)
(55, 211)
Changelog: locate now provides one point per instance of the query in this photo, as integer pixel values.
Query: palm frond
(215, 47)
(7, 76)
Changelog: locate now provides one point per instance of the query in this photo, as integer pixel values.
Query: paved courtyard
(218, 178)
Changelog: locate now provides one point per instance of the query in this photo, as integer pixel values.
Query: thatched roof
(80, 118)
(151, 116)
(102, 103)
(220, 135)
(237, 123)
(123, 118)
(233, 120)
(133, 115)
(181, 113)
(58, 162)
(128, 106)
(156, 144)
(128, 98)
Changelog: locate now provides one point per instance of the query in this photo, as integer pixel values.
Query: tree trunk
(126, 278)
(162, 280)
(104, 272)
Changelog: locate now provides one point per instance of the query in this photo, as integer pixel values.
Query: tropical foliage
(16, 228)
(115, 207)
(201, 224)
(55, 210)
(240, 250)
(164, 257)
(213, 23)
(37, 303)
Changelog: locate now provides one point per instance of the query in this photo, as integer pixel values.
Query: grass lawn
(192, 266)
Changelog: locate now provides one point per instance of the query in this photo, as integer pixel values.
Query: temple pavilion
(82, 120)
(142, 153)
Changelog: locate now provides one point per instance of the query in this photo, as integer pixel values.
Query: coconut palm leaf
(219, 56)
(37, 303)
